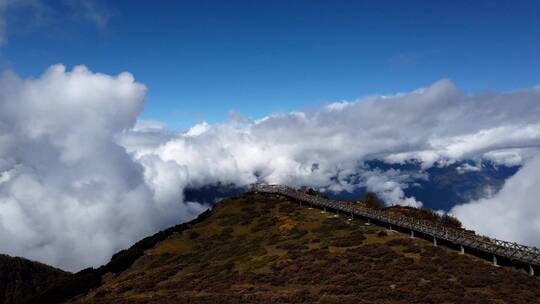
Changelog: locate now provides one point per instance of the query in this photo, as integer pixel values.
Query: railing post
(390, 227)
(461, 249)
(495, 260)
(412, 234)
(531, 270)
(435, 241)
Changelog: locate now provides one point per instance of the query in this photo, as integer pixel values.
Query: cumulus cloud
(511, 214)
(326, 148)
(469, 168)
(69, 194)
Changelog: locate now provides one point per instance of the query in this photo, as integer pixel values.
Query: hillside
(21, 278)
(261, 248)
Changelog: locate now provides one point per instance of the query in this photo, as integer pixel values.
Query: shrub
(451, 221)
(192, 235)
(357, 236)
(411, 248)
(372, 201)
(426, 215)
(343, 242)
(398, 242)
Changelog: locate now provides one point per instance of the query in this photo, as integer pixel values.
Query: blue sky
(202, 59)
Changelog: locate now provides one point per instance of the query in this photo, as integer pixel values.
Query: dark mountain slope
(20, 278)
(263, 249)
(90, 278)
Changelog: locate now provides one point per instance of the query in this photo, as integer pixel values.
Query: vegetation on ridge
(83, 281)
(264, 249)
(426, 215)
(21, 278)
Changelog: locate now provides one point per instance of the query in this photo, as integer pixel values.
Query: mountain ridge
(21, 278)
(261, 248)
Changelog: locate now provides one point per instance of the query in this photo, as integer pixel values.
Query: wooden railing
(497, 248)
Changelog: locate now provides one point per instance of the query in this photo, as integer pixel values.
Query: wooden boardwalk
(512, 252)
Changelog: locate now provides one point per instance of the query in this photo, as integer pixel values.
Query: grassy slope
(262, 249)
(21, 278)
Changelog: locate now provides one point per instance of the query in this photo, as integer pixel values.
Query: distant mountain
(446, 185)
(259, 248)
(21, 278)
(450, 185)
(211, 194)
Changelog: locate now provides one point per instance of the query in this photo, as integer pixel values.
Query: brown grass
(278, 252)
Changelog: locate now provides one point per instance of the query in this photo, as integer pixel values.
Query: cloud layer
(438, 124)
(80, 179)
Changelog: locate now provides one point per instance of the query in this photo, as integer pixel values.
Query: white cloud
(437, 124)
(198, 129)
(389, 186)
(511, 214)
(70, 196)
(149, 126)
(511, 156)
(468, 168)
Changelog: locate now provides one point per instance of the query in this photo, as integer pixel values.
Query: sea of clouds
(81, 177)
